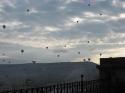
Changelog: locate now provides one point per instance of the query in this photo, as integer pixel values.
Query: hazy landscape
(52, 41)
(15, 76)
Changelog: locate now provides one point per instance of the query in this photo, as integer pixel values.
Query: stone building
(113, 70)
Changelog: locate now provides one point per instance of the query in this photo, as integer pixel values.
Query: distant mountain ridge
(40, 74)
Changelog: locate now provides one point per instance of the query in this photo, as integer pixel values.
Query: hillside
(40, 74)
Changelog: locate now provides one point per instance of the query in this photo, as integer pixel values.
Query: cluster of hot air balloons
(84, 60)
(89, 59)
(89, 4)
(65, 46)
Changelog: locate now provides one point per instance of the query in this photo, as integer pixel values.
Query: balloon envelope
(4, 26)
(27, 10)
(22, 51)
(46, 47)
(58, 55)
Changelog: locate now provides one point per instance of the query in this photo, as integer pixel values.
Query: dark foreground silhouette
(111, 80)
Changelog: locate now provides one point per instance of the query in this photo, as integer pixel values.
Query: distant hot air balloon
(78, 52)
(100, 54)
(88, 41)
(4, 26)
(22, 51)
(89, 4)
(89, 59)
(100, 14)
(84, 60)
(47, 47)
(34, 62)
(77, 21)
(58, 55)
(28, 10)
(65, 46)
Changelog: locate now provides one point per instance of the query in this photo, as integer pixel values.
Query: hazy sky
(64, 26)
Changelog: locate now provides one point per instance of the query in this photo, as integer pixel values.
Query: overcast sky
(64, 26)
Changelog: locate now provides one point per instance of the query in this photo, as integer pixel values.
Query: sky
(65, 27)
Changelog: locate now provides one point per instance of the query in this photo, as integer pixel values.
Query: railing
(93, 86)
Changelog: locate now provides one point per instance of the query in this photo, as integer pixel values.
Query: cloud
(60, 51)
(53, 23)
(70, 1)
(14, 25)
(33, 10)
(51, 29)
(118, 3)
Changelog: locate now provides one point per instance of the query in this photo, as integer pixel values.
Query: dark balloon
(89, 59)
(78, 52)
(77, 21)
(100, 54)
(100, 14)
(34, 62)
(84, 60)
(4, 26)
(64, 45)
(58, 55)
(22, 51)
(47, 47)
(27, 10)
(89, 5)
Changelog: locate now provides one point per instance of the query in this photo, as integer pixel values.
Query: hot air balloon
(22, 51)
(65, 46)
(84, 60)
(47, 47)
(58, 55)
(78, 52)
(77, 21)
(89, 5)
(28, 10)
(34, 62)
(4, 26)
(100, 54)
(88, 41)
(100, 14)
(89, 59)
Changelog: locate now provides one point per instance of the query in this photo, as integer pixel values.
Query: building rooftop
(117, 62)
